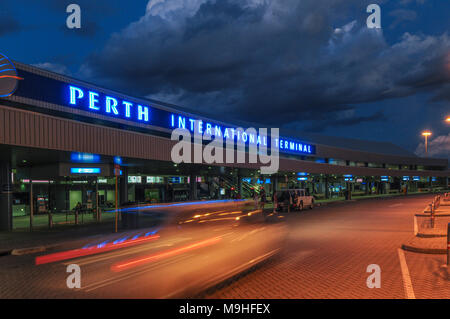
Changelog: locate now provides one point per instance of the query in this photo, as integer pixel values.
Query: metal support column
(193, 186)
(5, 196)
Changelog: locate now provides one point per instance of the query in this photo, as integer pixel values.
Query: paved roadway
(330, 248)
(326, 256)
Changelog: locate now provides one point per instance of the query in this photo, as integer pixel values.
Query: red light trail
(70, 254)
(11, 76)
(131, 263)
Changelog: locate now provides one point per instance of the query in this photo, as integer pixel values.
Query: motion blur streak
(131, 263)
(203, 203)
(11, 76)
(70, 254)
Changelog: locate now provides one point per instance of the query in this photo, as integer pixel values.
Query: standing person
(255, 198)
(262, 194)
(78, 208)
(275, 201)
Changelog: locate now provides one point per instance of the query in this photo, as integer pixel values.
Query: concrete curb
(5, 252)
(33, 250)
(424, 250)
(46, 247)
(26, 251)
(429, 215)
(424, 235)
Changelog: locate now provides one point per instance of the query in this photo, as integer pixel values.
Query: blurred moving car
(216, 240)
(294, 200)
(176, 250)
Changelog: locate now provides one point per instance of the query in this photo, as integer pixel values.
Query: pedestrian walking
(262, 194)
(275, 201)
(78, 208)
(255, 198)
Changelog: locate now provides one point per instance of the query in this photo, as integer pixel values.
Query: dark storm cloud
(8, 24)
(443, 94)
(437, 147)
(351, 121)
(273, 62)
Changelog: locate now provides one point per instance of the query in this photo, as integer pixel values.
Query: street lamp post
(426, 134)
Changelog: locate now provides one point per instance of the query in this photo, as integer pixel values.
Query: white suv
(294, 199)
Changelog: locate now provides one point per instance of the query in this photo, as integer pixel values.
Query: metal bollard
(437, 201)
(50, 220)
(432, 215)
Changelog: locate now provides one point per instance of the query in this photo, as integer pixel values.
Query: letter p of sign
(74, 279)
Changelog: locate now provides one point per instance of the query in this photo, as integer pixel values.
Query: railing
(446, 197)
(435, 204)
(432, 212)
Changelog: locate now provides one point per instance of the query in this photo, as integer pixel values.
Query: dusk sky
(309, 65)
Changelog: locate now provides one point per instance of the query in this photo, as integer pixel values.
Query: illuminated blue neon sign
(208, 128)
(107, 105)
(85, 170)
(84, 158)
(111, 106)
(348, 178)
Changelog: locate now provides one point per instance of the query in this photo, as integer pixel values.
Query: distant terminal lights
(84, 157)
(85, 170)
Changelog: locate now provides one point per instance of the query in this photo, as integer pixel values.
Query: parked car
(294, 199)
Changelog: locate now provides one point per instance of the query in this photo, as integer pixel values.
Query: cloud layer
(8, 24)
(272, 62)
(437, 147)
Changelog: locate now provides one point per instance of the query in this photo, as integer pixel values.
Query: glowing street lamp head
(426, 133)
(447, 119)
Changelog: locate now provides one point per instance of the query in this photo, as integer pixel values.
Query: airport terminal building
(65, 141)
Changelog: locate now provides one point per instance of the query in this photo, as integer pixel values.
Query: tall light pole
(426, 134)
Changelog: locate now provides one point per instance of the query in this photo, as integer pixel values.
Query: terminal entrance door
(75, 196)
